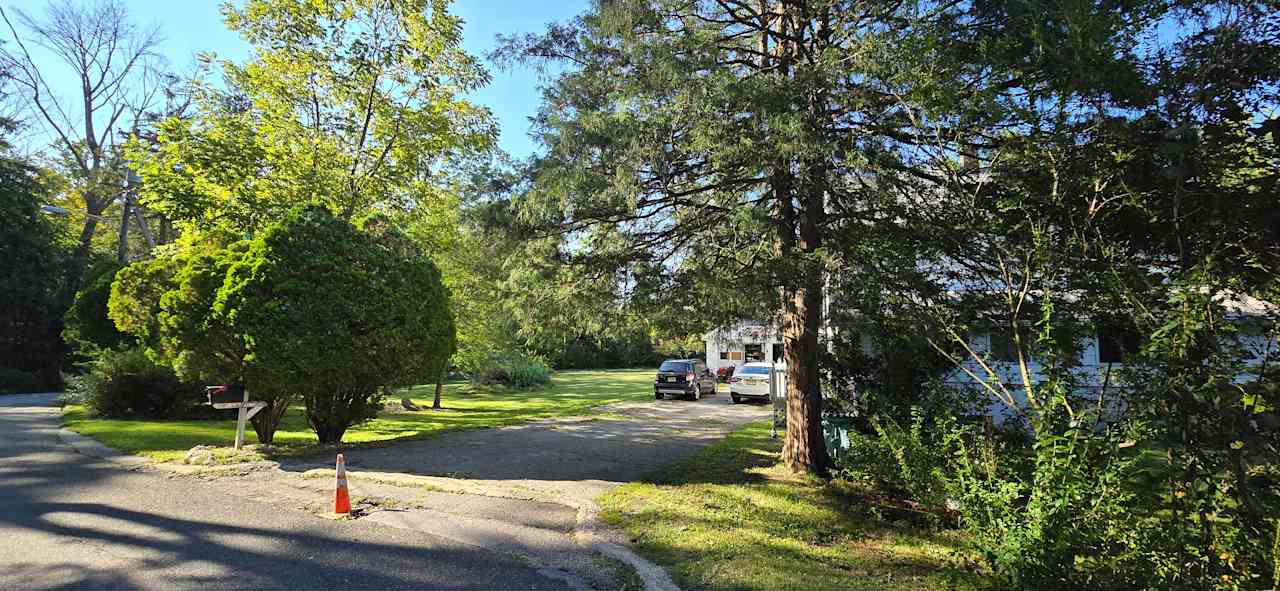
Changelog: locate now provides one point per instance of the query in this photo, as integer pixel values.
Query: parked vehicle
(724, 373)
(683, 377)
(750, 380)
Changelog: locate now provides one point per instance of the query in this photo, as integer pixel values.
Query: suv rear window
(676, 366)
(759, 371)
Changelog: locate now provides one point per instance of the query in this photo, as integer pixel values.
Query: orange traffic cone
(341, 498)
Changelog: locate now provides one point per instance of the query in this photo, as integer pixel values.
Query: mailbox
(233, 394)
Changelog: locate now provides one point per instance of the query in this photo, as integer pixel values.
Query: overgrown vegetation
(513, 368)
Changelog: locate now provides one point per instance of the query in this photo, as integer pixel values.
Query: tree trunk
(122, 242)
(268, 420)
(804, 449)
(80, 258)
(329, 434)
(435, 404)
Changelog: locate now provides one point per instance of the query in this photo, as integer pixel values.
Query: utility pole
(122, 242)
(130, 209)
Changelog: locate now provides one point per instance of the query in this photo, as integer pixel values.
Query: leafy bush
(513, 369)
(129, 384)
(166, 305)
(335, 314)
(17, 381)
(1083, 505)
(1062, 513)
(906, 462)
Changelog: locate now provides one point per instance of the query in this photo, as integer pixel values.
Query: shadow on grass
(733, 518)
(571, 393)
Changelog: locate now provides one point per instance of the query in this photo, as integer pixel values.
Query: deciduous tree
(113, 61)
(355, 103)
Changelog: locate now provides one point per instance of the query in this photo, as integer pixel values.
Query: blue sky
(190, 26)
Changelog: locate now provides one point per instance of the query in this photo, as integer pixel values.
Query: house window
(755, 352)
(724, 355)
(735, 355)
(778, 354)
(1002, 347)
(1115, 344)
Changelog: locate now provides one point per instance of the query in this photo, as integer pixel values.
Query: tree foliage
(352, 101)
(1042, 170)
(35, 251)
(87, 325)
(697, 149)
(115, 67)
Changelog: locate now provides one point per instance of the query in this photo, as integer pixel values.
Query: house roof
(747, 330)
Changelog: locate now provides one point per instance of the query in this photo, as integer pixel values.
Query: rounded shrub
(338, 315)
(87, 325)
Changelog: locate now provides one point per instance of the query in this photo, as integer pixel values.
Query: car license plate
(754, 382)
(671, 379)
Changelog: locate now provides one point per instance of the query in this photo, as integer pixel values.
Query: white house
(1100, 357)
(734, 345)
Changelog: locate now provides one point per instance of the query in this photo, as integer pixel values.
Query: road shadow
(234, 556)
(72, 522)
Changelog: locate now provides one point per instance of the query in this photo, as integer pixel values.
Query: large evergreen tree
(703, 148)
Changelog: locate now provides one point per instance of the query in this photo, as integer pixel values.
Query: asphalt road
(72, 522)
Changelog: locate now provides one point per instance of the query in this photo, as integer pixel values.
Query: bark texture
(268, 420)
(435, 404)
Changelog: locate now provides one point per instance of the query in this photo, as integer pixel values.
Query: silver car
(750, 380)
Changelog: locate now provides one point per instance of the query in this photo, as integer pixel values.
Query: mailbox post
(235, 396)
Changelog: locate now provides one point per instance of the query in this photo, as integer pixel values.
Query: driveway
(46, 399)
(68, 521)
(525, 490)
(567, 460)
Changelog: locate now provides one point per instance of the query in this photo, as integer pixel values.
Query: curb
(590, 532)
(89, 446)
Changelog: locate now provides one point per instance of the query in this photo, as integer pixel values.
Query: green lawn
(465, 407)
(733, 518)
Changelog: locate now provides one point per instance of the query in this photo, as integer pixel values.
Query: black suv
(684, 377)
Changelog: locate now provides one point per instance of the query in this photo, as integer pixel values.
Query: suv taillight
(689, 377)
